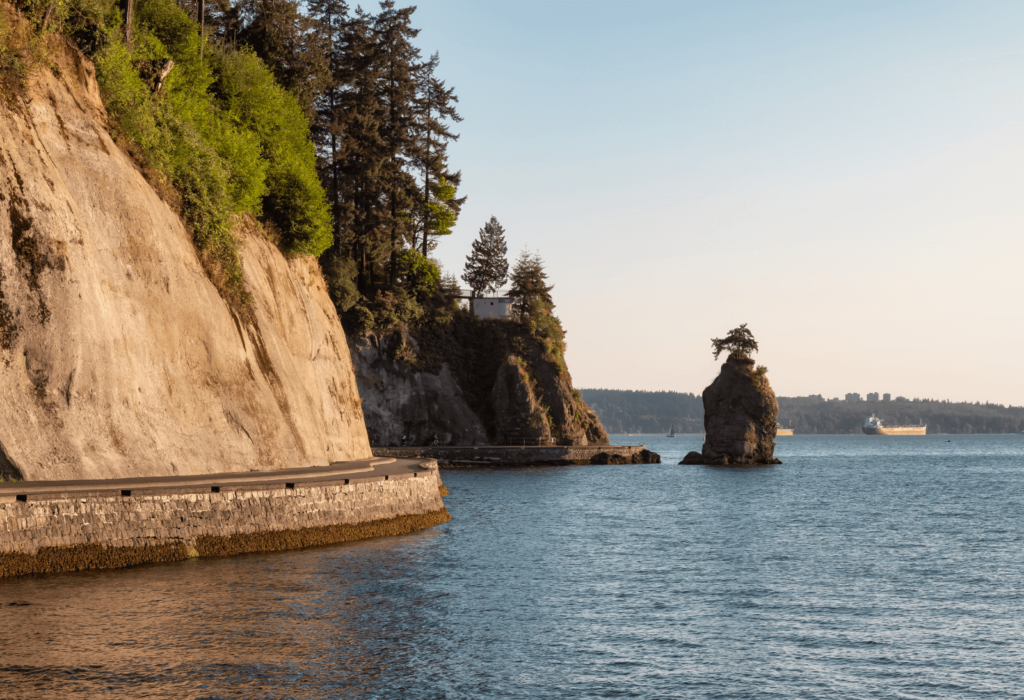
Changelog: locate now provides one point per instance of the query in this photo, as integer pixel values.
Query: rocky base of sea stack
(726, 460)
(740, 417)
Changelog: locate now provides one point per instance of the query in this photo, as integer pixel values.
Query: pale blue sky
(846, 177)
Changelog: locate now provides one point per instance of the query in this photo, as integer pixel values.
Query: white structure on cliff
(492, 307)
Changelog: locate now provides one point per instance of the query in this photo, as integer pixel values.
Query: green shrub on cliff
(219, 129)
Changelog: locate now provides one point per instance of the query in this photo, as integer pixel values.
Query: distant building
(886, 397)
(853, 397)
(873, 396)
(492, 307)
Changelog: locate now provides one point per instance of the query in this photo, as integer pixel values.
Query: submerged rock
(740, 417)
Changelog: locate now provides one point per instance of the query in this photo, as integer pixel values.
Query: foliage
(221, 130)
(740, 343)
(530, 292)
(441, 212)
(394, 310)
(24, 42)
(359, 320)
(340, 273)
(295, 200)
(487, 262)
(419, 275)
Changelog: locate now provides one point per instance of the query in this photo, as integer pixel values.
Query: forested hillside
(646, 411)
(658, 411)
(322, 122)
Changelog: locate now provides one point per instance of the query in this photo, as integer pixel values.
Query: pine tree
(530, 292)
(435, 105)
(398, 63)
(287, 42)
(487, 263)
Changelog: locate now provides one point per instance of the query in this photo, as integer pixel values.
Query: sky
(845, 177)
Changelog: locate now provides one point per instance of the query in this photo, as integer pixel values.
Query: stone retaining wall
(470, 456)
(68, 532)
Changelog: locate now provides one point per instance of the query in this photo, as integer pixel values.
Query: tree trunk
(202, 27)
(129, 13)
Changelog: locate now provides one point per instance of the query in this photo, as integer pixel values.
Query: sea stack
(740, 409)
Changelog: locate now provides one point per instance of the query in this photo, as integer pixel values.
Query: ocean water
(863, 567)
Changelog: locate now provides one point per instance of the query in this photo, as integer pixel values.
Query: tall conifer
(435, 106)
(487, 263)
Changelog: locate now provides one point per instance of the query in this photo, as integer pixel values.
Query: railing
(467, 293)
(530, 441)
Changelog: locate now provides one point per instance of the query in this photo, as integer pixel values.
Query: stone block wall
(67, 532)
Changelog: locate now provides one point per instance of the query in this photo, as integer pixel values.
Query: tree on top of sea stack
(740, 410)
(740, 343)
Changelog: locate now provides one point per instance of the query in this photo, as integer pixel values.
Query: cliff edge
(469, 381)
(118, 357)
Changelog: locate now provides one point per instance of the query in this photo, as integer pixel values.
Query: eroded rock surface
(740, 418)
(118, 357)
(399, 402)
(480, 388)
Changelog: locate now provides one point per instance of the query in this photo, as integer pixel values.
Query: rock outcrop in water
(740, 415)
(118, 357)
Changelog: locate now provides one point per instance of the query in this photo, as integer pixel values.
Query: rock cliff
(118, 357)
(740, 417)
(469, 382)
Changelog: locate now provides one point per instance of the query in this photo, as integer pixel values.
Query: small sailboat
(672, 432)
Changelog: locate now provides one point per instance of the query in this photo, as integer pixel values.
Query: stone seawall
(54, 532)
(555, 455)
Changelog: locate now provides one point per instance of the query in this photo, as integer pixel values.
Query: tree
(289, 44)
(740, 343)
(435, 104)
(487, 263)
(442, 209)
(530, 292)
(398, 65)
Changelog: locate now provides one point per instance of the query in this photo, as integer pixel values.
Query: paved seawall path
(57, 526)
(520, 456)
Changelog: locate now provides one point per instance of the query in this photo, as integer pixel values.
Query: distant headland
(625, 411)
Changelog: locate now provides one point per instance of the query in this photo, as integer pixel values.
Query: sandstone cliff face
(117, 355)
(740, 418)
(474, 391)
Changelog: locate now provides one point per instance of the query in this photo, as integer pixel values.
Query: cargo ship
(873, 426)
(779, 430)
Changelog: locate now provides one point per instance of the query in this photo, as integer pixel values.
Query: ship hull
(897, 430)
(784, 431)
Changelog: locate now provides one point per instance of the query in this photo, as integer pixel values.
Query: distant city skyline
(845, 177)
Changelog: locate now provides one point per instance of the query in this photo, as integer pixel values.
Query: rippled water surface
(863, 567)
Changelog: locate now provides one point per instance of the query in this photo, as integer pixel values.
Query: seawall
(554, 455)
(71, 526)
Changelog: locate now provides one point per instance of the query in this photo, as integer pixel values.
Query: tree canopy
(487, 262)
(740, 343)
(530, 292)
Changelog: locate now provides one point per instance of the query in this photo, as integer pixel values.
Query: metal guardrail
(530, 442)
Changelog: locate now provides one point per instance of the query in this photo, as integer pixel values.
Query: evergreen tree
(487, 263)
(434, 106)
(287, 42)
(530, 292)
(398, 63)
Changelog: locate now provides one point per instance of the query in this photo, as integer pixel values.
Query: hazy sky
(846, 177)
